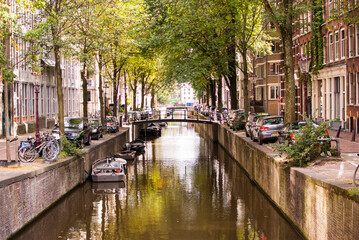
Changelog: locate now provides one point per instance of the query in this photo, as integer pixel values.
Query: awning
(48, 62)
(51, 63)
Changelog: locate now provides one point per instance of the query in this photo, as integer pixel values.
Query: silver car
(267, 129)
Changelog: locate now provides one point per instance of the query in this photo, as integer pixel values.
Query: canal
(183, 187)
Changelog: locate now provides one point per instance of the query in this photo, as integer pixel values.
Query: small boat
(126, 154)
(163, 124)
(109, 170)
(151, 130)
(137, 145)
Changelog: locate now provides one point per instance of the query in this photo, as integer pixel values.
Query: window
(357, 39)
(17, 101)
(336, 46)
(325, 50)
(24, 107)
(351, 41)
(342, 43)
(273, 92)
(88, 96)
(330, 47)
(351, 88)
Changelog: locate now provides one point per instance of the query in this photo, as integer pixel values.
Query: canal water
(183, 187)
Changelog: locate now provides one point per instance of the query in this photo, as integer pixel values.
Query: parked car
(251, 121)
(77, 130)
(111, 124)
(289, 130)
(97, 129)
(267, 128)
(239, 120)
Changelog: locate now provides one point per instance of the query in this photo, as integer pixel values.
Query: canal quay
(185, 186)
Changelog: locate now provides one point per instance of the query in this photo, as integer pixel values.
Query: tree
(57, 18)
(281, 15)
(7, 24)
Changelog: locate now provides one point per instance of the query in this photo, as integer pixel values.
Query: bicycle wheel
(27, 154)
(356, 177)
(50, 152)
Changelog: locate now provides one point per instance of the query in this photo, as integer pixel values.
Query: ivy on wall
(317, 43)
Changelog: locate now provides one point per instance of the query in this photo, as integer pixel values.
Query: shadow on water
(183, 187)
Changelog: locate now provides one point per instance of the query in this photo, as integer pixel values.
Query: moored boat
(137, 145)
(109, 170)
(126, 154)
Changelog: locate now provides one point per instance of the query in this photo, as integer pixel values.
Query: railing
(176, 115)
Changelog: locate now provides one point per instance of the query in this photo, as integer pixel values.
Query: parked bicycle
(49, 148)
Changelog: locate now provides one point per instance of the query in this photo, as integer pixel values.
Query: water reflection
(182, 188)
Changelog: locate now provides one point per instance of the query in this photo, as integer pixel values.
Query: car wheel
(101, 136)
(88, 140)
(96, 137)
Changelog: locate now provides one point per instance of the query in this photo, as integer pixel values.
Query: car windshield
(74, 123)
(94, 123)
(272, 121)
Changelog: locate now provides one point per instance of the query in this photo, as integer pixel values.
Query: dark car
(111, 124)
(267, 129)
(251, 121)
(97, 129)
(239, 120)
(77, 130)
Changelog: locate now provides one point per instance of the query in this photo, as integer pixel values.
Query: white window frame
(336, 45)
(330, 39)
(276, 91)
(342, 43)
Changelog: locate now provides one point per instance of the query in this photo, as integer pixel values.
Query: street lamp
(37, 90)
(304, 63)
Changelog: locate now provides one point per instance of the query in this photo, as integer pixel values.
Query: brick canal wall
(320, 210)
(24, 197)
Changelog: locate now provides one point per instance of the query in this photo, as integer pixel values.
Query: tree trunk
(114, 113)
(213, 93)
(100, 90)
(153, 93)
(290, 91)
(142, 92)
(219, 90)
(60, 96)
(84, 89)
(232, 76)
(245, 83)
(125, 82)
(134, 97)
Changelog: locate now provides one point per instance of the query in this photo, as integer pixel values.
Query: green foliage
(317, 43)
(306, 147)
(70, 149)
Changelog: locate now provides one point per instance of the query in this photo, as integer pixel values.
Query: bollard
(338, 132)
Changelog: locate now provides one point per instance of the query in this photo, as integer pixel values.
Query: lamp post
(304, 63)
(37, 90)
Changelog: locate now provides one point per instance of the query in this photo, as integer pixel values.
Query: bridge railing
(165, 115)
